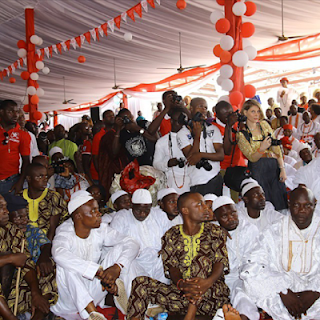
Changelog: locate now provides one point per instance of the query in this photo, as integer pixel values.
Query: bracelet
(178, 284)
(119, 265)
(260, 151)
(281, 167)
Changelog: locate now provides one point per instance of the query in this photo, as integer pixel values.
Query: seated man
(11, 258)
(295, 118)
(140, 223)
(243, 238)
(254, 208)
(316, 145)
(84, 277)
(305, 156)
(282, 273)
(288, 131)
(195, 260)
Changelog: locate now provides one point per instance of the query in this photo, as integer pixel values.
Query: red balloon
(181, 4)
(221, 2)
(81, 59)
(26, 108)
(225, 56)
(217, 50)
(4, 73)
(35, 99)
(37, 115)
(247, 29)
(25, 75)
(249, 91)
(21, 44)
(236, 97)
(12, 80)
(251, 8)
(223, 25)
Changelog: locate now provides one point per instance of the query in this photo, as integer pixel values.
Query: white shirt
(34, 151)
(163, 220)
(184, 139)
(307, 132)
(177, 178)
(285, 101)
(296, 120)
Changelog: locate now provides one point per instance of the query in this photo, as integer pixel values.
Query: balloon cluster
(237, 59)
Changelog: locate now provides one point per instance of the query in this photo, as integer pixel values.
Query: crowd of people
(194, 215)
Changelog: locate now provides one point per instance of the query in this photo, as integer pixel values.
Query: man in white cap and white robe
(141, 224)
(243, 237)
(81, 270)
(254, 208)
(282, 273)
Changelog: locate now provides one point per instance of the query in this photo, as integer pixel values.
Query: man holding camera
(201, 143)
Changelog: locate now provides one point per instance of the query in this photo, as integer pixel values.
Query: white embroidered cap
(304, 146)
(220, 202)
(117, 195)
(164, 192)
(245, 181)
(210, 196)
(55, 150)
(249, 186)
(141, 196)
(78, 199)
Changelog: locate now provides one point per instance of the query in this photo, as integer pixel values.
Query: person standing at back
(285, 96)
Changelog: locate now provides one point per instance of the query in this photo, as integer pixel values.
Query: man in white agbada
(244, 237)
(141, 224)
(285, 96)
(167, 214)
(254, 208)
(305, 155)
(282, 273)
(81, 270)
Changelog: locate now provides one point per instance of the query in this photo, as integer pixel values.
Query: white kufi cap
(78, 199)
(55, 150)
(249, 186)
(117, 195)
(141, 196)
(210, 196)
(221, 201)
(164, 192)
(304, 146)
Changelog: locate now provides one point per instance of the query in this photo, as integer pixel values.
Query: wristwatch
(141, 131)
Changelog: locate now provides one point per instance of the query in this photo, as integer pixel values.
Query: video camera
(59, 166)
(176, 98)
(126, 120)
(275, 142)
(183, 119)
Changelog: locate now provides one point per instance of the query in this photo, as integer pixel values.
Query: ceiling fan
(116, 86)
(65, 101)
(283, 37)
(181, 68)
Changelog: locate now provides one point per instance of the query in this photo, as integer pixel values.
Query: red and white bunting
(83, 38)
(46, 50)
(64, 46)
(124, 16)
(54, 48)
(13, 68)
(100, 31)
(73, 43)
(144, 5)
(24, 60)
(111, 25)
(158, 2)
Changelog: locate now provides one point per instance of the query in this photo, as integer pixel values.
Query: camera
(241, 117)
(126, 120)
(183, 119)
(181, 162)
(204, 163)
(176, 98)
(58, 166)
(275, 142)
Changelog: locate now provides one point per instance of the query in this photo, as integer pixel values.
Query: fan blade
(69, 100)
(192, 67)
(72, 102)
(167, 68)
(296, 37)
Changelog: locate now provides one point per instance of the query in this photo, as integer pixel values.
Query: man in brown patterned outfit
(195, 259)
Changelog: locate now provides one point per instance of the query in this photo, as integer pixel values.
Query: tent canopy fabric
(154, 44)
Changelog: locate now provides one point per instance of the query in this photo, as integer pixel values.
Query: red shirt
(238, 158)
(87, 149)
(18, 144)
(165, 127)
(96, 142)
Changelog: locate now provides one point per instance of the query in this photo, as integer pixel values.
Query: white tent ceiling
(154, 45)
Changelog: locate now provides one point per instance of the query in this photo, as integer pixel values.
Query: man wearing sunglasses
(14, 142)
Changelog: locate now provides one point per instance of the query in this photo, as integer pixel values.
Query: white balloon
(34, 76)
(127, 36)
(34, 39)
(246, 43)
(227, 85)
(239, 9)
(251, 52)
(224, 98)
(219, 80)
(39, 65)
(22, 53)
(45, 70)
(40, 92)
(215, 16)
(240, 58)
(226, 43)
(40, 42)
(31, 90)
(226, 71)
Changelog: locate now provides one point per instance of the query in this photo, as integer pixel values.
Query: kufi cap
(288, 127)
(303, 94)
(284, 79)
(304, 145)
(248, 187)
(78, 199)
(220, 202)
(245, 181)
(117, 195)
(210, 196)
(15, 203)
(55, 150)
(164, 192)
(315, 92)
(141, 196)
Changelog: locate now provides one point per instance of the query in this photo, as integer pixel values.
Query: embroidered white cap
(245, 181)
(164, 192)
(55, 150)
(78, 199)
(249, 186)
(220, 202)
(141, 196)
(210, 196)
(304, 146)
(117, 195)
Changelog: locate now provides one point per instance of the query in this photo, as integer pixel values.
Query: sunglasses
(6, 138)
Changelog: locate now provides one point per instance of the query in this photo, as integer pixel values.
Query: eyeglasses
(6, 138)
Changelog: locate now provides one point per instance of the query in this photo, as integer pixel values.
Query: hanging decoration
(12, 80)
(81, 59)
(181, 4)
